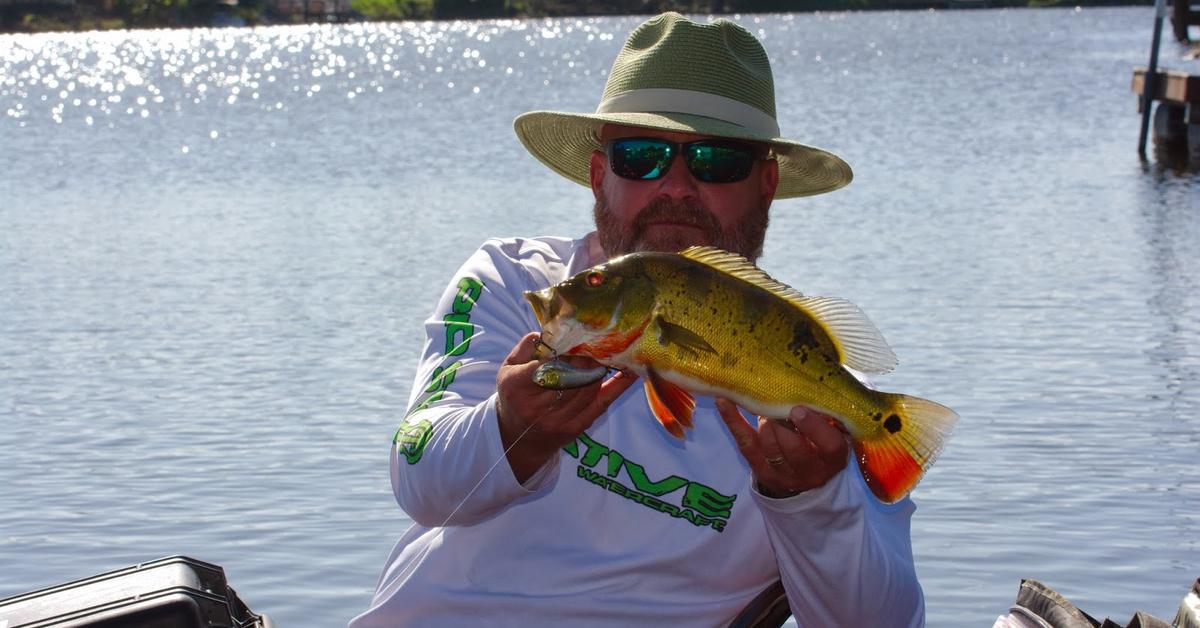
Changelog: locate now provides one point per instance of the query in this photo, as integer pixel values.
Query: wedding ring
(775, 462)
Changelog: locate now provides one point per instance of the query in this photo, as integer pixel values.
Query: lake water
(217, 248)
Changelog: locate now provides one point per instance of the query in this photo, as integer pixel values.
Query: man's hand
(788, 457)
(541, 421)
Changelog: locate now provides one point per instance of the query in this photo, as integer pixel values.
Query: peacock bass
(709, 322)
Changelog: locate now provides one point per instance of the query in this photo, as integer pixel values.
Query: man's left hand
(791, 456)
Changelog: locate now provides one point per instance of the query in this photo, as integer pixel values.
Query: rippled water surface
(217, 248)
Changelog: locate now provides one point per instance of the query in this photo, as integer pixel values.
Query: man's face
(677, 210)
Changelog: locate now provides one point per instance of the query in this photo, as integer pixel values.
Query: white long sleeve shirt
(627, 526)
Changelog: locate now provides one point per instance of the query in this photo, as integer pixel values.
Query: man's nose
(678, 182)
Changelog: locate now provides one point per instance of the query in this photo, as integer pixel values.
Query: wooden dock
(1177, 116)
(1172, 87)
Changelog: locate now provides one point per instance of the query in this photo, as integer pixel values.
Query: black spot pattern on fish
(752, 311)
(892, 424)
(697, 281)
(831, 359)
(802, 341)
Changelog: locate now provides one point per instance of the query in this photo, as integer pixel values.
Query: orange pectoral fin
(671, 405)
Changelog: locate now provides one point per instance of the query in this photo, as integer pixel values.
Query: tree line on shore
(74, 15)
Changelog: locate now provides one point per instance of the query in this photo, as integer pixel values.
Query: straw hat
(677, 75)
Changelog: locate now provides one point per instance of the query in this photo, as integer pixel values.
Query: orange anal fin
(890, 471)
(671, 405)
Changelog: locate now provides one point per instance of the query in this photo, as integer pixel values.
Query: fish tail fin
(910, 436)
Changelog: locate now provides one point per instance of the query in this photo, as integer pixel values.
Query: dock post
(1160, 11)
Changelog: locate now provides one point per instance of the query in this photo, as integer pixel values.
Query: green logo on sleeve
(459, 331)
(412, 438)
(702, 506)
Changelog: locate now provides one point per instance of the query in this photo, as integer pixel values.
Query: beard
(745, 239)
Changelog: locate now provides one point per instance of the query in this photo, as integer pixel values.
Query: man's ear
(599, 167)
(769, 180)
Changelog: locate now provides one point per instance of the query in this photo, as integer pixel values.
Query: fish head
(587, 311)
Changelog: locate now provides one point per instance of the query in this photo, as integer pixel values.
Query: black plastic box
(171, 592)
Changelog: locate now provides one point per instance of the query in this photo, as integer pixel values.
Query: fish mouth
(555, 315)
(540, 300)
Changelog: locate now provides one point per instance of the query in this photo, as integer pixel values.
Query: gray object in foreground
(1039, 606)
(175, 591)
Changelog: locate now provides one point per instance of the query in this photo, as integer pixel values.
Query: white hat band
(692, 103)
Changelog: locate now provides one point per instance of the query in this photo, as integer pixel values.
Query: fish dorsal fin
(860, 345)
(737, 266)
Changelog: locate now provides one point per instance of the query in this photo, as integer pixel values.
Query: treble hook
(540, 348)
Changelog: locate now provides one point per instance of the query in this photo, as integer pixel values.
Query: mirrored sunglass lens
(640, 159)
(720, 163)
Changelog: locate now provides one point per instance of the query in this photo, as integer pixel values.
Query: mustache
(682, 212)
(744, 238)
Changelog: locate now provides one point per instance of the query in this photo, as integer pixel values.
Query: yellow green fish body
(705, 321)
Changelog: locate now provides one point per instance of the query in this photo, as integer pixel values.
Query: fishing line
(485, 475)
(537, 348)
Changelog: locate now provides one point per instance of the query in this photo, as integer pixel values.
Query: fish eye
(594, 279)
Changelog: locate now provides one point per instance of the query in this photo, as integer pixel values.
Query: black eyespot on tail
(892, 424)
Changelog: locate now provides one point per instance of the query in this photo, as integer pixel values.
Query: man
(535, 507)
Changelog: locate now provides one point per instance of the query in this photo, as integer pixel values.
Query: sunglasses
(711, 161)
